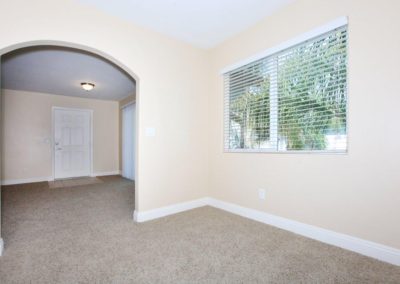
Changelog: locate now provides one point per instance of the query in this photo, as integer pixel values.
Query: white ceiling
(60, 71)
(203, 23)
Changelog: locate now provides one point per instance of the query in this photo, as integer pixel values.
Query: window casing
(291, 100)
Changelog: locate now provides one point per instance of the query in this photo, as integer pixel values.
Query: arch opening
(111, 60)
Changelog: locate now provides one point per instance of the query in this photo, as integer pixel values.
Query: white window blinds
(293, 100)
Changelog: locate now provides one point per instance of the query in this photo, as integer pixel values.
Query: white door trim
(53, 109)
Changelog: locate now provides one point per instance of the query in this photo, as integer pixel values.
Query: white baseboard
(1, 246)
(25, 180)
(111, 173)
(364, 247)
(168, 210)
(368, 248)
(41, 179)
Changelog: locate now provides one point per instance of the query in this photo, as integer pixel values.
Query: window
(291, 100)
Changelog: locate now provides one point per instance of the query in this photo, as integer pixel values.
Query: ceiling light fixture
(87, 86)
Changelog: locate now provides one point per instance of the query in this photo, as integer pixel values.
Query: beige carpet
(86, 235)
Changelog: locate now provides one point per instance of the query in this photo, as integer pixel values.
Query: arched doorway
(99, 53)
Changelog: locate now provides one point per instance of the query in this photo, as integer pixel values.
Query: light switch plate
(150, 131)
(261, 193)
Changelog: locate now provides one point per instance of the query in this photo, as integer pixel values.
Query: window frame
(329, 27)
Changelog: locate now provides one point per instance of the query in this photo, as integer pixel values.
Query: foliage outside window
(294, 100)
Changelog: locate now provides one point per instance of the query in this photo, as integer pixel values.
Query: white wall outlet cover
(150, 131)
(261, 193)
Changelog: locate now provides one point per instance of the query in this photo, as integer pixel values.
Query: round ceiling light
(87, 86)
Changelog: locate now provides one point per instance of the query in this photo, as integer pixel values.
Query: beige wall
(27, 122)
(357, 194)
(127, 100)
(172, 87)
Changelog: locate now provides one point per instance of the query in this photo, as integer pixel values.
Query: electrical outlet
(261, 193)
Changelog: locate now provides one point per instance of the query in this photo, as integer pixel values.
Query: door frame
(53, 156)
(121, 108)
(14, 45)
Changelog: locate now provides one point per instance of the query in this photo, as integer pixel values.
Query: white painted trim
(1, 246)
(364, 247)
(25, 180)
(111, 173)
(368, 248)
(144, 216)
(53, 108)
(289, 43)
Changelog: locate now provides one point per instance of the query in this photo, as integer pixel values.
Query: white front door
(72, 143)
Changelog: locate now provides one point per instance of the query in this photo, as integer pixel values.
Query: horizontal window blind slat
(295, 99)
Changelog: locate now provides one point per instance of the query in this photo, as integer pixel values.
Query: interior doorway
(54, 128)
(128, 140)
(72, 147)
(48, 142)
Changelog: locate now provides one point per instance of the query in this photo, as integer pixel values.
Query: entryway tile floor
(71, 182)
